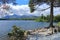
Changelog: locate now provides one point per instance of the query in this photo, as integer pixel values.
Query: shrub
(16, 34)
(58, 24)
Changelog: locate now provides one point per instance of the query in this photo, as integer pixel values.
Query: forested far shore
(43, 18)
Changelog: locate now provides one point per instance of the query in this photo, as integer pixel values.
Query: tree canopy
(33, 3)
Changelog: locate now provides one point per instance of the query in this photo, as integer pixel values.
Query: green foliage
(47, 18)
(28, 33)
(16, 34)
(17, 18)
(39, 0)
(57, 18)
(42, 18)
(58, 23)
(31, 5)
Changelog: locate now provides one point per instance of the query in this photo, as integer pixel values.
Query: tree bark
(51, 14)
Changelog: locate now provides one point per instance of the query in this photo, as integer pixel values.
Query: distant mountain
(18, 16)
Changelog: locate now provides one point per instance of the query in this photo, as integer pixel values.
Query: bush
(58, 24)
(16, 34)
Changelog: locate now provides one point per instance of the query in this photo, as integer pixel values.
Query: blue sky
(25, 2)
(22, 2)
(23, 9)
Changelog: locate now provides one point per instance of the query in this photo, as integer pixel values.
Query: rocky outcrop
(44, 31)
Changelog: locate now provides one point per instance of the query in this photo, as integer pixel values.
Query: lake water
(6, 25)
(39, 37)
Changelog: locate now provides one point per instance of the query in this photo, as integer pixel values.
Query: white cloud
(24, 10)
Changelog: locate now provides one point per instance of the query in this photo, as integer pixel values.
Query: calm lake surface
(6, 25)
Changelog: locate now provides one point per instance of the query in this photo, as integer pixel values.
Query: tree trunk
(51, 15)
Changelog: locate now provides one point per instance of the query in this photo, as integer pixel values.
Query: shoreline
(44, 31)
